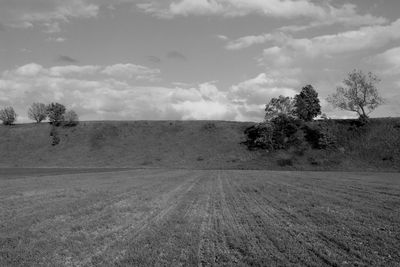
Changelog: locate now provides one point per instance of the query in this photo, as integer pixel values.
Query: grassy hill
(190, 144)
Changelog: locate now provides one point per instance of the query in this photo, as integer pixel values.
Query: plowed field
(199, 218)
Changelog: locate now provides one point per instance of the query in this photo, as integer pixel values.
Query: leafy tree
(8, 115)
(359, 94)
(37, 112)
(71, 118)
(287, 131)
(306, 104)
(55, 112)
(279, 106)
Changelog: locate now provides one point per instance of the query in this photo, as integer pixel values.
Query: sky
(192, 59)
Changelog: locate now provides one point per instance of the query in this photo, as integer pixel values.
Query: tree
(37, 112)
(71, 118)
(55, 112)
(306, 104)
(279, 106)
(8, 115)
(359, 94)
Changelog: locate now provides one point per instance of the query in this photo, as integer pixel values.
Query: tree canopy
(306, 104)
(279, 106)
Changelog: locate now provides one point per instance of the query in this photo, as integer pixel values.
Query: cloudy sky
(192, 59)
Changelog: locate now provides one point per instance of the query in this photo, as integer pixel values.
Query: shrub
(260, 136)
(55, 137)
(279, 133)
(55, 112)
(286, 132)
(37, 112)
(8, 115)
(71, 118)
(285, 162)
(327, 139)
(320, 136)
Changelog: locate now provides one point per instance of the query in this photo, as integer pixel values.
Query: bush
(55, 112)
(286, 132)
(260, 136)
(320, 136)
(55, 137)
(37, 112)
(8, 116)
(327, 139)
(71, 118)
(285, 161)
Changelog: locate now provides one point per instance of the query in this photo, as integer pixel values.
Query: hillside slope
(190, 144)
(194, 144)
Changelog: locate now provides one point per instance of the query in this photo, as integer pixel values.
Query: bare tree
(37, 112)
(8, 115)
(359, 94)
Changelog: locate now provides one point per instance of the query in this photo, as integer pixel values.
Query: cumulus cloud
(132, 71)
(323, 12)
(388, 62)
(250, 96)
(56, 39)
(98, 92)
(330, 44)
(47, 14)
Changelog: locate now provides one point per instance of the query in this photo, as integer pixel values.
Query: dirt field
(199, 218)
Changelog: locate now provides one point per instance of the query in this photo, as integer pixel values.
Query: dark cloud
(176, 55)
(66, 59)
(153, 59)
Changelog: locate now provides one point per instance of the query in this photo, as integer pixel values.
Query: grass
(193, 145)
(198, 218)
(126, 144)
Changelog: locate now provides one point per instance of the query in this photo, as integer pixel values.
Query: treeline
(56, 113)
(290, 122)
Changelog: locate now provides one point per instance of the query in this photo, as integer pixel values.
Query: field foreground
(189, 217)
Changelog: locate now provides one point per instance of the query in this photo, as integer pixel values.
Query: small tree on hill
(279, 106)
(359, 94)
(55, 112)
(306, 104)
(8, 115)
(71, 118)
(37, 112)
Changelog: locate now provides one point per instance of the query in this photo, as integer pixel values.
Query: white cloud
(31, 69)
(125, 71)
(248, 41)
(324, 13)
(132, 71)
(250, 96)
(47, 14)
(388, 62)
(73, 70)
(56, 39)
(330, 44)
(96, 95)
(105, 96)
